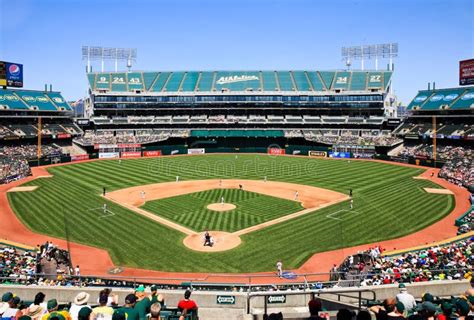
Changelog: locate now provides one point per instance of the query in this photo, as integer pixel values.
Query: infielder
(142, 195)
(177, 178)
(296, 195)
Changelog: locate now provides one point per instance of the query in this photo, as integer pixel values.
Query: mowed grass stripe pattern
(389, 204)
(252, 208)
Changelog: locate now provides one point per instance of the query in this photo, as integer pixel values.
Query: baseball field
(148, 232)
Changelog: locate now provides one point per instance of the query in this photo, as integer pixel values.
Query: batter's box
(340, 214)
(102, 212)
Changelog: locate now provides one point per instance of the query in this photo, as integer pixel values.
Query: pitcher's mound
(221, 206)
(222, 241)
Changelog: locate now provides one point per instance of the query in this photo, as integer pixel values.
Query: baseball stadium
(268, 194)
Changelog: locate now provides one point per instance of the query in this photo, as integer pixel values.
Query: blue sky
(47, 35)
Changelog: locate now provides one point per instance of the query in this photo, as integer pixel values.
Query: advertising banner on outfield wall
(275, 151)
(109, 155)
(130, 154)
(197, 151)
(317, 154)
(79, 157)
(152, 153)
(105, 146)
(342, 155)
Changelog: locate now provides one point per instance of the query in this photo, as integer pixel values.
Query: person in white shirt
(80, 301)
(404, 297)
(279, 266)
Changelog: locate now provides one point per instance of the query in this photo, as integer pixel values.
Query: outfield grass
(190, 210)
(387, 201)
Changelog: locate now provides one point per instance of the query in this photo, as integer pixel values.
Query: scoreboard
(466, 72)
(11, 74)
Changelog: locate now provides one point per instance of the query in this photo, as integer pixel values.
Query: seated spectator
(187, 304)
(315, 307)
(84, 313)
(155, 310)
(129, 307)
(80, 301)
(103, 311)
(53, 312)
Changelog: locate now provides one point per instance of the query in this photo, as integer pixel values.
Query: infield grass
(388, 201)
(252, 208)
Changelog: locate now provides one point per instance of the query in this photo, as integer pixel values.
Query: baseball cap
(119, 315)
(84, 313)
(427, 306)
(53, 303)
(401, 286)
(427, 297)
(140, 288)
(7, 296)
(131, 298)
(400, 307)
(153, 288)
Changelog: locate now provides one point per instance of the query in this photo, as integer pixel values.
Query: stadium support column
(434, 140)
(39, 140)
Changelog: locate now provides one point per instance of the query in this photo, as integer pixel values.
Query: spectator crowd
(459, 161)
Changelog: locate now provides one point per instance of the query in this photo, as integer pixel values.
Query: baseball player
(222, 200)
(104, 208)
(142, 195)
(265, 179)
(279, 266)
(351, 204)
(177, 178)
(296, 195)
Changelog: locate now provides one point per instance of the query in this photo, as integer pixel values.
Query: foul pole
(434, 140)
(39, 139)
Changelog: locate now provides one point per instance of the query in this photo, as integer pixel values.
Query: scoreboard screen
(11, 74)
(466, 72)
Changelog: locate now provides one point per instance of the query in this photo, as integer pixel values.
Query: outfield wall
(208, 300)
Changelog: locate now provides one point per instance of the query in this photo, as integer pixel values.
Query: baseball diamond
(382, 190)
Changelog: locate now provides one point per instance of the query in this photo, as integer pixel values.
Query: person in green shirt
(155, 297)
(129, 307)
(143, 303)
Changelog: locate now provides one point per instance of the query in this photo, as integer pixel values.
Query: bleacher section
(240, 81)
(443, 99)
(32, 100)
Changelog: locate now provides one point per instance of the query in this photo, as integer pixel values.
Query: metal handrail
(313, 293)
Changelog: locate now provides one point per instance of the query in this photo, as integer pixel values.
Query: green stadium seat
(205, 82)
(269, 81)
(286, 83)
(436, 99)
(315, 81)
(358, 81)
(301, 81)
(160, 82)
(328, 77)
(174, 82)
(149, 78)
(189, 82)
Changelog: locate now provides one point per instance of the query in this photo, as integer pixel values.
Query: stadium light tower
(101, 54)
(368, 52)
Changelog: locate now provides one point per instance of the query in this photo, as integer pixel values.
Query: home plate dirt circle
(221, 206)
(222, 241)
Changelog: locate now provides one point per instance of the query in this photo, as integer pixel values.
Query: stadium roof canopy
(443, 99)
(240, 82)
(28, 100)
